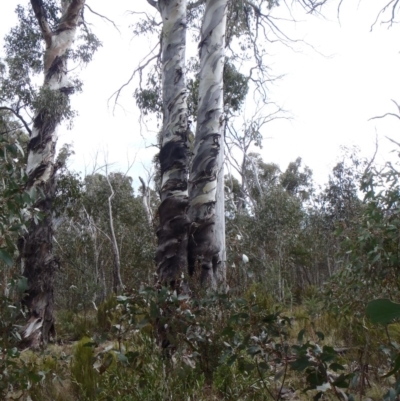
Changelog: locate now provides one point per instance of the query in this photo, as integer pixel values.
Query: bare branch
(391, 20)
(19, 117)
(387, 114)
(392, 140)
(398, 106)
(374, 155)
(103, 16)
(139, 70)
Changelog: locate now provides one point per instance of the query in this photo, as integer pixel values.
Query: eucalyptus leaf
(6, 258)
(382, 311)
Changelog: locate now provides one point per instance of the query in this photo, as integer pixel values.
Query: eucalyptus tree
(206, 209)
(173, 230)
(37, 259)
(52, 25)
(251, 29)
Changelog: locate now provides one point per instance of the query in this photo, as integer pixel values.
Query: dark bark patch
(172, 236)
(56, 68)
(36, 250)
(173, 153)
(202, 248)
(46, 125)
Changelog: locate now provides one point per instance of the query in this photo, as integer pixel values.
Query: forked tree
(243, 40)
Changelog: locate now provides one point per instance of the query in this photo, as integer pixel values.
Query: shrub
(83, 375)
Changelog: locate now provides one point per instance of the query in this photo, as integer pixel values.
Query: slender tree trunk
(206, 234)
(117, 280)
(38, 262)
(171, 256)
(146, 202)
(220, 277)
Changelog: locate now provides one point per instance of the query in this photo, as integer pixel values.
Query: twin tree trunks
(38, 262)
(192, 217)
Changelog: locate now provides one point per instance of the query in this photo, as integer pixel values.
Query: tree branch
(103, 16)
(140, 69)
(19, 117)
(391, 20)
(386, 114)
(40, 14)
(70, 19)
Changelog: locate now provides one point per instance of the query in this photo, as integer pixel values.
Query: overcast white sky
(330, 98)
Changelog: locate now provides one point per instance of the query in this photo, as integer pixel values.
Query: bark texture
(207, 236)
(38, 262)
(171, 256)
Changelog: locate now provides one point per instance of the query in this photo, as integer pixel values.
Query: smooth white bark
(206, 190)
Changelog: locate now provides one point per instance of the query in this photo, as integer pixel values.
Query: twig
(263, 381)
(103, 16)
(140, 69)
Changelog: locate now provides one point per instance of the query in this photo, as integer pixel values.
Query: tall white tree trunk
(36, 247)
(220, 273)
(117, 280)
(171, 256)
(146, 202)
(207, 236)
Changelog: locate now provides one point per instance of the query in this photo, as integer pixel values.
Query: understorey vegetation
(296, 323)
(224, 276)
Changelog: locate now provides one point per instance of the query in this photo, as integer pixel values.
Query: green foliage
(17, 377)
(382, 311)
(149, 98)
(107, 313)
(83, 237)
(72, 326)
(84, 376)
(16, 205)
(369, 247)
(24, 62)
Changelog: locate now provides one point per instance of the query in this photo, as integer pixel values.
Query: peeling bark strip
(38, 262)
(207, 236)
(171, 256)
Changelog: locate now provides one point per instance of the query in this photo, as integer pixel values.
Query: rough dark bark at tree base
(39, 268)
(171, 255)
